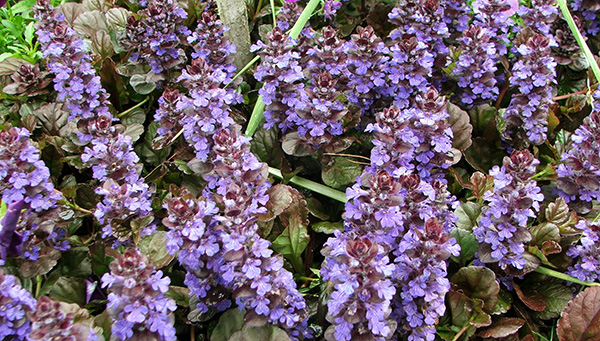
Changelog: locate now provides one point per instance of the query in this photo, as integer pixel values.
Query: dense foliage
(394, 170)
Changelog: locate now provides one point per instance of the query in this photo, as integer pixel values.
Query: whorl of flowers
(590, 11)
(282, 74)
(579, 172)
(456, 15)
(366, 64)
(111, 153)
(220, 247)
(53, 320)
(494, 15)
(359, 307)
(409, 69)
(421, 273)
(16, 303)
(327, 55)
(540, 15)
(25, 184)
(28, 80)
(502, 230)
(476, 66)
(420, 133)
(534, 74)
(587, 253)
(211, 44)
(155, 33)
(423, 19)
(567, 50)
(136, 301)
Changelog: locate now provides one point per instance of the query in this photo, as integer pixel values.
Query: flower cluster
(53, 320)
(283, 91)
(16, 303)
(579, 172)
(366, 65)
(25, 184)
(359, 307)
(540, 16)
(567, 50)
(156, 35)
(589, 10)
(502, 230)
(111, 153)
(420, 133)
(534, 74)
(587, 253)
(211, 44)
(476, 65)
(409, 69)
(421, 275)
(136, 302)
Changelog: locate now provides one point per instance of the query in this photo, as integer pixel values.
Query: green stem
(133, 108)
(241, 72)
(564, 277)
(38, 285)
(312, 186)
(259, 107)
(273, 13)
(586, 50)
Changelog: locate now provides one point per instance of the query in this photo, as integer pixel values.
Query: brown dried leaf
(532, 299)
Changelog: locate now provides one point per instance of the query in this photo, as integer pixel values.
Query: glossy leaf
(580, 320)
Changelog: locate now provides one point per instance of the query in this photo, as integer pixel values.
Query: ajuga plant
(109, 152)
(154, 34)
(515, 199)
(16, 304)
(175, 227)
(534, 75)
(589, 10)
(579, 171)
(136, 301)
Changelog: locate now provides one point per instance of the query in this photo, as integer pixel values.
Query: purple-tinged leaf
(580, 320)
(503, 328)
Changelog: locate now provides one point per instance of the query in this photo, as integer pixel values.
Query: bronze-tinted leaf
(580, 320)
(461, 127)
(478, 282)
(502, 328)
(532, 299)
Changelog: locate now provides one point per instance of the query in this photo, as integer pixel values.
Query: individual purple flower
(156, 35)
(137, 303)
(586, 252)
(52, 320)
(503, 228)
(579, 170)
(16, 303)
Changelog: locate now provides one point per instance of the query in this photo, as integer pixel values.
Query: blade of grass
(564, 277)
(257, 112)
(312, 186)
(586, 50)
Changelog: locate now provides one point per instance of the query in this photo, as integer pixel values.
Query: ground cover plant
(362, 170)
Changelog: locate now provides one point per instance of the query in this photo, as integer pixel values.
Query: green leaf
(294, 238)
(71, 11)
(504, 302)
(134, 131)
(265, 145)
(137, 115)
(312, 186)
(142, 84)
(483, 155)
(480, 283)
(340, 172)
(543, 232)
(468, 245)
(328, 227)
(468, 214)
(117, 17)
(181, 295)
(580, 320)
(102, 45)
(88, 23)
(70, 290)
(53, 118)
(267, 332)
(154, 247)
(557, 296)
(230, 322)
(557, 213)
(293, 144)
